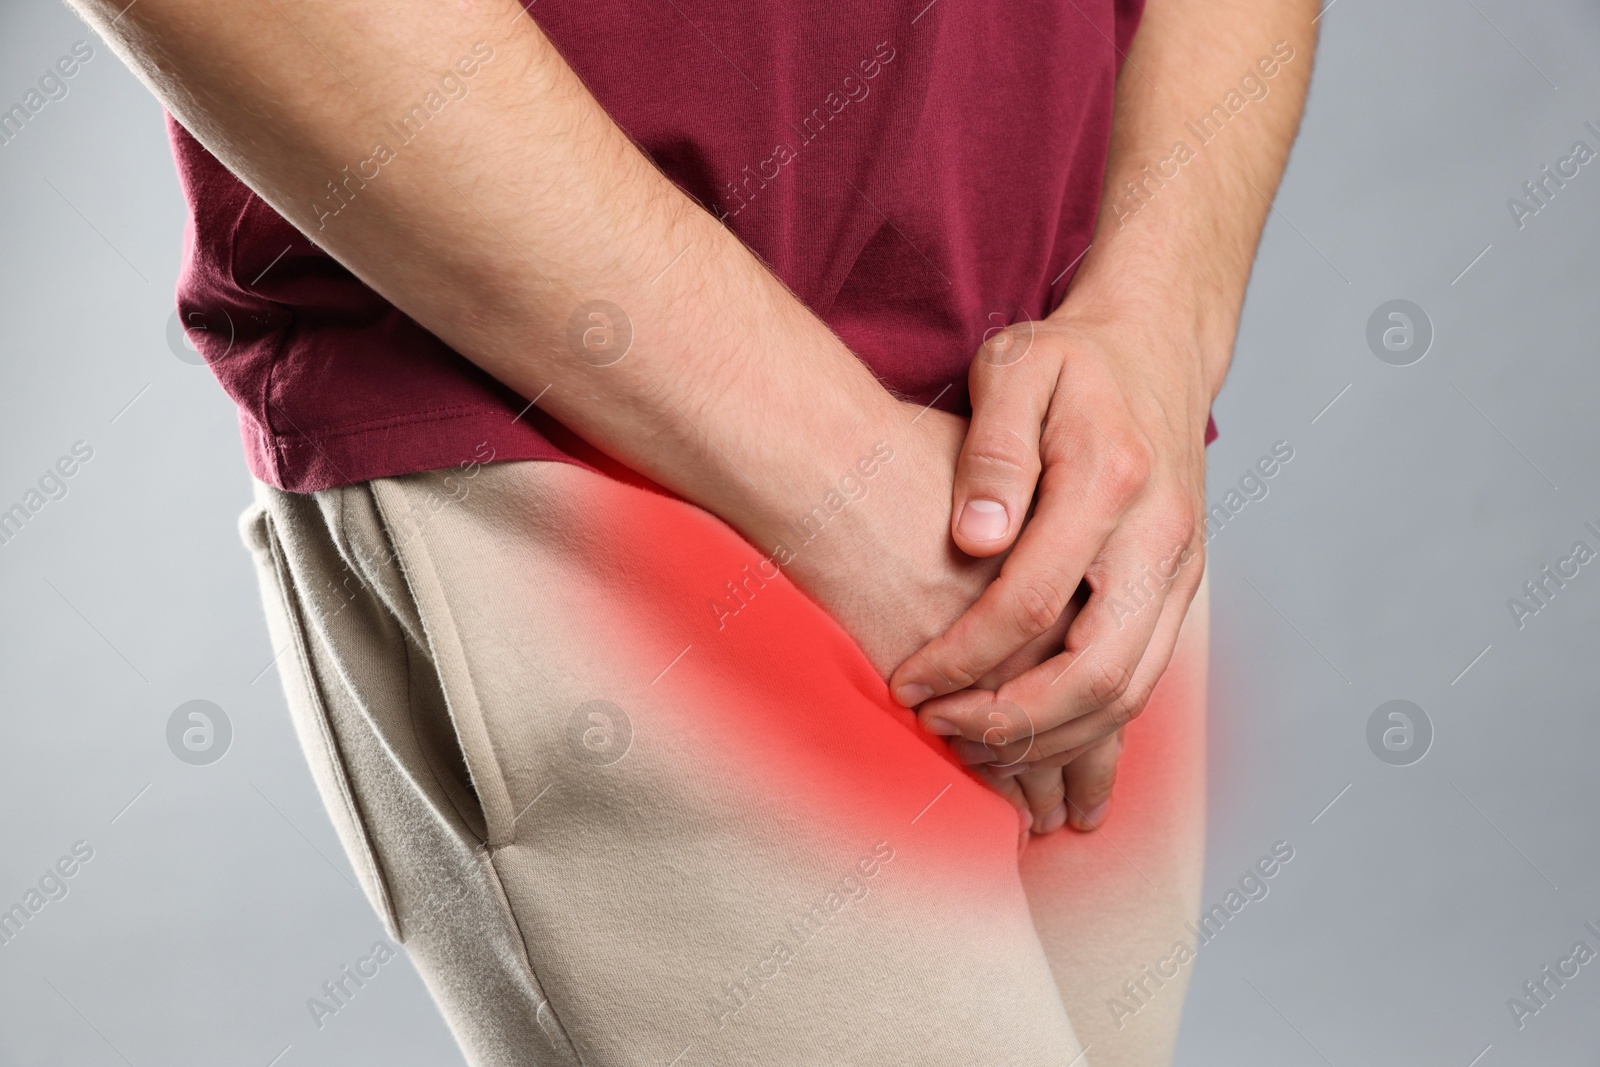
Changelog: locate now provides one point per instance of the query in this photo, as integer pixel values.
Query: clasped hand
(1084, 466)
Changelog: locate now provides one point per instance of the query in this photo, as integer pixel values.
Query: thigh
(1114, 908)
(716, 838)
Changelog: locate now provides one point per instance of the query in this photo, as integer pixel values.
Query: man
(603, 375)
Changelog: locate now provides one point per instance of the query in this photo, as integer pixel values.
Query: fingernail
(1027, 822)
(1091, 819)
(941, 727)
(971, 752)
(1055, 820)
(913, 693)
(1007, 770)
(982, 520)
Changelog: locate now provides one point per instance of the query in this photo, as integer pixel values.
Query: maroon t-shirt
(917, 173)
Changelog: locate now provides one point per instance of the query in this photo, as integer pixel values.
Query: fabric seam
(272, 358)
(490, 783)
(442, 414)
(313, 686)
(490, 847)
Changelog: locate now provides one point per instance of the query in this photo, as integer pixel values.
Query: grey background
(1377, 568)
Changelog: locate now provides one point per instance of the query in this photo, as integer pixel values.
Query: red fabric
(917, 173)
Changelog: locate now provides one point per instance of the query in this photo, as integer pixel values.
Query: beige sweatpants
(615, 825)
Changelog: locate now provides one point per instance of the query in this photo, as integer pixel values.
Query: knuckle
(1005, 345)
(1012, 728)
(955, 671)
(1044, 789)
(1097, 791)
(999, 455)
(1134, 700)
(961, 658)
(1109, 679)
(1175, 525)
(1126, 467)
(1039, 603)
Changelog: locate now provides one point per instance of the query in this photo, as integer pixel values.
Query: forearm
(520, 201)
(1208, 103)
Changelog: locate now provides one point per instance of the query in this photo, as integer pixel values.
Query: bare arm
(1102, 407)
(1178, 228)
(521, 201)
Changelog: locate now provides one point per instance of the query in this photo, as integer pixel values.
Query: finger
(1097, 669)
(1089, 780)
(1082, 504)
(1045, 792)
(979, 725)
(999, 463)
(1038, 650)
(1036, 585)
(1005, 722)
(1108, 667)
(1061, 744)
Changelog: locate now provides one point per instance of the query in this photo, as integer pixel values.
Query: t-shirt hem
(298, 463)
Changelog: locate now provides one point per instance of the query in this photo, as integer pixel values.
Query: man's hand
(1108, 421)
(1102, 407)
(1077, 794)
(888, 571)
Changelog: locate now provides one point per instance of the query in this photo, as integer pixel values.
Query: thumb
(999, 464)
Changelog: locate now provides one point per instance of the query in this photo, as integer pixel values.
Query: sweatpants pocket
(308, 709)
(369, 707)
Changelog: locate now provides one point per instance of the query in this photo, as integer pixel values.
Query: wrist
(1161, 352)
(875, 550)
(815, 462)
(1183, 312)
